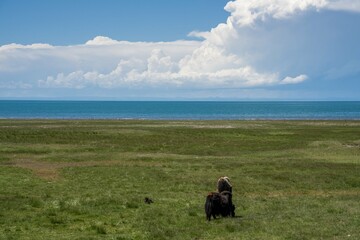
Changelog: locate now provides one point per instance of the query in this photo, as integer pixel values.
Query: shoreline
(189, 119)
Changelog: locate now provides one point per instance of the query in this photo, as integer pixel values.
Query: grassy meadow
(87, 179)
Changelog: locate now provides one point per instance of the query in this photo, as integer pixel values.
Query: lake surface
(178, 110)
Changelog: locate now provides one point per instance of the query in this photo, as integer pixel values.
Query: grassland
(87, 179)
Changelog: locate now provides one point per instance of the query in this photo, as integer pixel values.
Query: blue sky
(180, 50)
(65, 22)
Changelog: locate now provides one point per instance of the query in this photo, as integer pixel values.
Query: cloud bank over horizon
(230, 55)
(177, 64)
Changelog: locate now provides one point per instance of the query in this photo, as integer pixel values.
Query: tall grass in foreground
(88, 179)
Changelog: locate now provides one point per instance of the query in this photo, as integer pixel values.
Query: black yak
(219, 204)
(224, 184)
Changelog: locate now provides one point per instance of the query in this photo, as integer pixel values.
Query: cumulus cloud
(210, 63)
(14, 46)
(101, 40)
(15, 85)
(245, 13)
(344, 5)
(206, 66)
(295, 80)
(100, 54)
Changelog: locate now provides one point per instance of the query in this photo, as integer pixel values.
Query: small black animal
(148, 200)
(219, 204)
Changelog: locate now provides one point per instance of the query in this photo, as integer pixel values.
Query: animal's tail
(208, 207)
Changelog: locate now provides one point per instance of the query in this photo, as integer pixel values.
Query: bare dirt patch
(51, 170)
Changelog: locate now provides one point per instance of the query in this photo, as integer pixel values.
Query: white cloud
(85, 57)
(295, 80)
(101, 40)
(15, 85)
(344, 5)
(247, 12)
(208, 66)
(211, 63)
(14, 46)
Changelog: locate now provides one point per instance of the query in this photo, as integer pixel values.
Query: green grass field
(88, 179)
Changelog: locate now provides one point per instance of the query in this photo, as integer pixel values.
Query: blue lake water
(178, 110)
